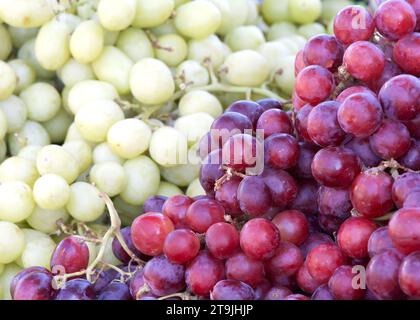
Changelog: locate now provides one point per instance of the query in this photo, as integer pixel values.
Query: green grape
(110, 37)
(52, 55)
(87, 42)
(85, 203)
(90, 90)
(280, 30)
(24, 72)
(168, 189)
(8, 80)
(16, 201)
(113, 66)
(245, 37)
(200, 101)
(26, 13)
(129, 138)
(27, 53)
(168, 146)
(195, 189)
(96, 118)
(108, 177)
(273, 51)
(172, 49)
(6, 278)
(109, 257)
(45, 220)
(29, 152)
(194, 126)
(31, 133)
(293, 43)
(58, 125)
(210, 49)
(81, 151)
(51, 192)
(73, 72)
(234, 14)
(18, 169)
(305, 11)
(143, 180)
(116, 15)
(151, 81)
(5, 43)
(253, 13)
(152, 13)
(275, 10)
(331, 7)
(38, 250)
(311, 29)
(55, 159)
(135, 44)
(3, 150)
(190, 74)
(285, 74)
(103, 153)
(246, 68)
(21, 35)
(42, 100)
(181, 175)
(165, 28)
(197, 19)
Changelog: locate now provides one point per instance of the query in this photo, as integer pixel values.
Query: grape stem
(182, 295)
(227, 176)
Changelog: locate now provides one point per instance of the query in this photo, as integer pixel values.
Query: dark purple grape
(72, 254)
(119, 251)
(154, 204)
(274, 121)
(211, 171)
(270, 103)
(138, 283)
(232, 290)
(115, 291)
(334, 202)
(361, 147)
(282, 186)
(252, 110)
(306, 154)
(411, 159)
(76, 289)
(34, 283)
(307, 197)
(260, 202)
(101, 278)
(322, 293)
(228, 125)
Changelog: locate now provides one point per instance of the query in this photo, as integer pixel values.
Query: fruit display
(209, 149)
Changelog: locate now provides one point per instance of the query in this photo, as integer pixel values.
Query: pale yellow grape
(143, 180)
(52, 47)
(108, 177)
(31, 133)
(285, 74)
(93, 251)
(45, 220)
(210, 48)
(12, 242)
(103, 153)
(181, 175)
(24, 72)
(273, 51)
(81, 151)
(73, 72)
(198, 19)
(73, 134)
(165, 28)
(16, 201)
(245, 37)
(200, 101)
(86, 9)
(305, 11)
(135, 44)
(21, 35)
(191, 74)
(3, 150)
(168, 146)
(42, 100)
(29, 153)
(114, 66)
(253, 14)
(72, 21)
(293, 43)
(38, 250)
(27, 53)
(129, 138)
(5, 43)
(8, 80)
(276, 10)
(85, 203)
(58, 125)
(96, 118)
(311, 29)
(331, 7)
(194, 126)
(87, 42)
(168, 189)
(3, 124)
(116, 15)
(152, 13)
(18, 169)
(246, 68)
(234, 14)
(51, 192)
(280, 30)
(27, 13)
(6, 278)
(172, 49)
(55, 159)
(110, 37)
(195, 189)
(109, 256)
(90, 90)
(151, 81)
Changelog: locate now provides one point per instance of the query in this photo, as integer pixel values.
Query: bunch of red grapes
(335, 212)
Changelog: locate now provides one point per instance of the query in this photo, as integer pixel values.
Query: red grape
(260, 201)
(72, 254)
(252, 110)
(323, 50)
(222, 240)
(277, 293)
(416, 6)
(403, 186)
(286, 261)
(232, 290)
(240, 152)
(322, 293)
(204, 213)
(274, 121)
(342, 287)
(334, 202)
(211, 171)
(361, 147)
(270, 103)
(409, 276)
(391, 70)
(404, 229)
(281, 151)
(32, 284)
(379, 241)
(226, 195)
(181, 246)
(175, 208)
(305, 281)
(303, 166)
(407, 53)
(301, 124)
(306, 199)
(314, 84)
(115, 291)
(297, 102)
(243, 268)
(76, 289)
(353, 90)
(228, 125)
(411, 159)
(299, 62)
(412, 200)
(282, 186)
(293, 226)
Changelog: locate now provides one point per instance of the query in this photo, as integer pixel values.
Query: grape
(119, 251)
(164, 277)
(210, 171)
(58, 126)
(334, 202)
(137, 283)
(322, 293)
(204, 213)
(307, 91)
(243, 268)
(210, 48)
(361, 147)
(151, 14)
(379, 241)
(222, 240)
(353, 23)
(108, 177)
(301, 122)
(46, 220)
(239, 152)
(292, 225)
(135, 44)
(305, 281)
(411, 159)
(390, 70)
(406, 53)
(14, 114)
(277, 293)
(154, 204)
(404, 231)
(168, 146)
(176, 208)
(16, 201)
(203, 273)
(70, 255)
(32, 133)
(12, 240)
(329, 224)
(76, 289)
(412, 200)
(194, 126)
(382, 276)
(168, 189)
(9, 81)
(286, 261)
(403, 186)
(305, 11)
(306, 197)
(245, 37)
(408, 276)
(28, 14)
(323, 259)
(172, 49)
(229, 124)
(416, 6)
(115, 291)
(275, 11)
(226, 195)
(18, 169)
(116, 16)
(313, 240)
(148, 232)
(353, 90)
(260, 202)
(274, 121)
(335, 167)
(232, 290)
(281, 151)
(306, 154)
(84, 203)
(181, 246)
(51, 192)
(364, 61)
(324, 51)
(259, 239)
(341, 285)
(197, 101)
(250, 109)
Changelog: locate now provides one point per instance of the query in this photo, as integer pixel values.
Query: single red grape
(211, 171)
(314, 84)
(379, 241)
(260, 201)
(222, 240)
(175, 208)
(361, 147)
(34, 283)
(286, 261)
(404, 229)
(226, 195)
(250, 109)
(232, 290)
(228, 125)
(323, 50)
(342, 287)
(72, 254)
(407, 53)
(274, 121)
(243, 268)
(293, 226)
(282, 186)
(281, 151)
(181, 246)
(409, 276)
(204, 213)
(334, 202)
